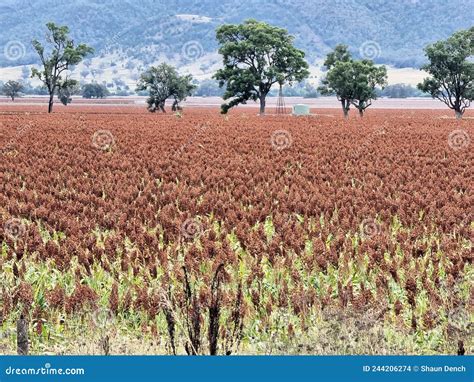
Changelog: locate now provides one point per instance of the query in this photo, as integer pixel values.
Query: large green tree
(184, 87)
(57, 56)
(256, 56)
(452, 71)
(353, 82)
(163, 82)
(366, 78)
(94, 90)
(12, 89)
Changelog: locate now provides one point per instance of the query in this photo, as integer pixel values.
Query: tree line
(257, 57)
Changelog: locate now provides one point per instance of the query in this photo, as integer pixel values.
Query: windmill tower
(280, 107)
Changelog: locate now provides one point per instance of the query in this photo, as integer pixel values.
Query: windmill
(280, 107)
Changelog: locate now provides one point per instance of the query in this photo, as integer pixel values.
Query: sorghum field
(127, 232)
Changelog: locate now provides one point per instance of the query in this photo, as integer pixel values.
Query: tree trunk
(361, 112)
(262, 105)
(461, 349)
(50, 104)
(162, 107)
(345, 110)
(13, 98)
(458, 114)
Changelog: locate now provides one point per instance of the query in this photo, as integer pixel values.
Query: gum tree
(163, 82)
(334, 81)
(353, 82)
(365, 79)
(12, 89)
(451, 71)
(94, 90)
(57, 56)
(256, 56)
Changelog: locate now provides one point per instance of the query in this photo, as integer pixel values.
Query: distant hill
(392, 32)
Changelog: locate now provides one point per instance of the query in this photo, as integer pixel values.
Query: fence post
(105, 344)
(22, 336)
(461, 350)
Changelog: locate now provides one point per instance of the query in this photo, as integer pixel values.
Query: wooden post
(461, 350)
(22, 336)
(105, 344)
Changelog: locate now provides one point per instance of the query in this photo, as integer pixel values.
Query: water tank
(300, 109)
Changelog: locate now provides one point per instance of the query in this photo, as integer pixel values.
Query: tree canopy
(339, 54)
(451, 71)
(353, 82)
(67, 88)
(94, 90)
(163, 82)
(400, 91)
(256, 56)
(56, 60)
(12, 89)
